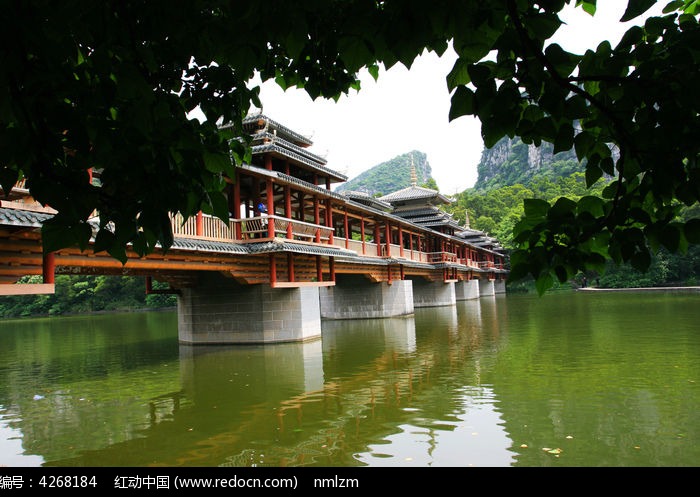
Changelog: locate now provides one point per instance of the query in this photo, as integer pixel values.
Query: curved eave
(281, 245)
(254, 120)
(366, 199)
(265, 138)
(275, 148)
(22, 218)
(415, 193)
(208, 246)
(291, 180)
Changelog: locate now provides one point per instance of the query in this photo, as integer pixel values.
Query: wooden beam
(299, 284)
(28, 289)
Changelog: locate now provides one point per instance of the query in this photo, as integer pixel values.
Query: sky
(407, 110)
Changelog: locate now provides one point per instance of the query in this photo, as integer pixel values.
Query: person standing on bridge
(262, 210)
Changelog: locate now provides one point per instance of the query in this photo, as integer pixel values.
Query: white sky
(408, 110)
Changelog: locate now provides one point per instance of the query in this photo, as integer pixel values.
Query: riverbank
(666, 289)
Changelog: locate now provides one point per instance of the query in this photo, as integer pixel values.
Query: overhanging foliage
(108, 85)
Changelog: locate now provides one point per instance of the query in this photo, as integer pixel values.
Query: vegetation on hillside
(391, 175)
(497, 210)
(512, 161)
(82, 294)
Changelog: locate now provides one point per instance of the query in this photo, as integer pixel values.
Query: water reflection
(499, 381)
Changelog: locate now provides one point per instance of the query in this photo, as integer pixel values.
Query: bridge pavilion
(292, 253)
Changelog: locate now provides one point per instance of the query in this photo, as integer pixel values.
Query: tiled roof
(431, 219)
(286, 152)
(252, 119)
(281, 245)
(413, 211)
(480, 239)
(367, 199)
(208, 246)
(27, 219)
(267, 137)
(415, 193)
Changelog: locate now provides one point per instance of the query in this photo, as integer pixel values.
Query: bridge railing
(370, 250)
(434, 257)
(213, 228)
(301, 229)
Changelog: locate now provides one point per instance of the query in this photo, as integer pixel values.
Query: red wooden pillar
(270, 208)
(48, 269)
(400, 243)
(347, 233)
(362, 233)
(329, 219)
(410, 242)
(317, 217)
(331, 267)
(377, 240)
(273, 270)
(300, 212)
(288, 209)
(237, 203)
(149, 285)
(268, 162)
(387, 235)
(403, 275)
(328, 183)
(290, 266)
(199, 229)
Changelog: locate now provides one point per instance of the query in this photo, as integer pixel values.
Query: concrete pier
(433, 293)
(486, 287)
(220, 311)
(354, 297)
(467, 290)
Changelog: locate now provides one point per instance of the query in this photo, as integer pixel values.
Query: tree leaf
(562, 207)
(535, 207)
(591, 204)
(459, 75)
(8, 179)
(544, 283)
(462, 103)
(564, 140)
(636, 8)
(589, 6)
(583, 142)
(691, 231)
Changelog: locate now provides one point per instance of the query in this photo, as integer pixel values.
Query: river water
(567, 379)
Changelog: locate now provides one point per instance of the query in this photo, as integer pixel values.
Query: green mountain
(511, 162)
(391, 175)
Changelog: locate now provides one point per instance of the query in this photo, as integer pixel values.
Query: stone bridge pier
(486, 288)
(221, 311)
(433, 293)
(355, 297)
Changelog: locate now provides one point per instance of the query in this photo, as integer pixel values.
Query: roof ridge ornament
(414, 176)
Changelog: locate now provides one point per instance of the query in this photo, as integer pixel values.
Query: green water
(569, 379)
